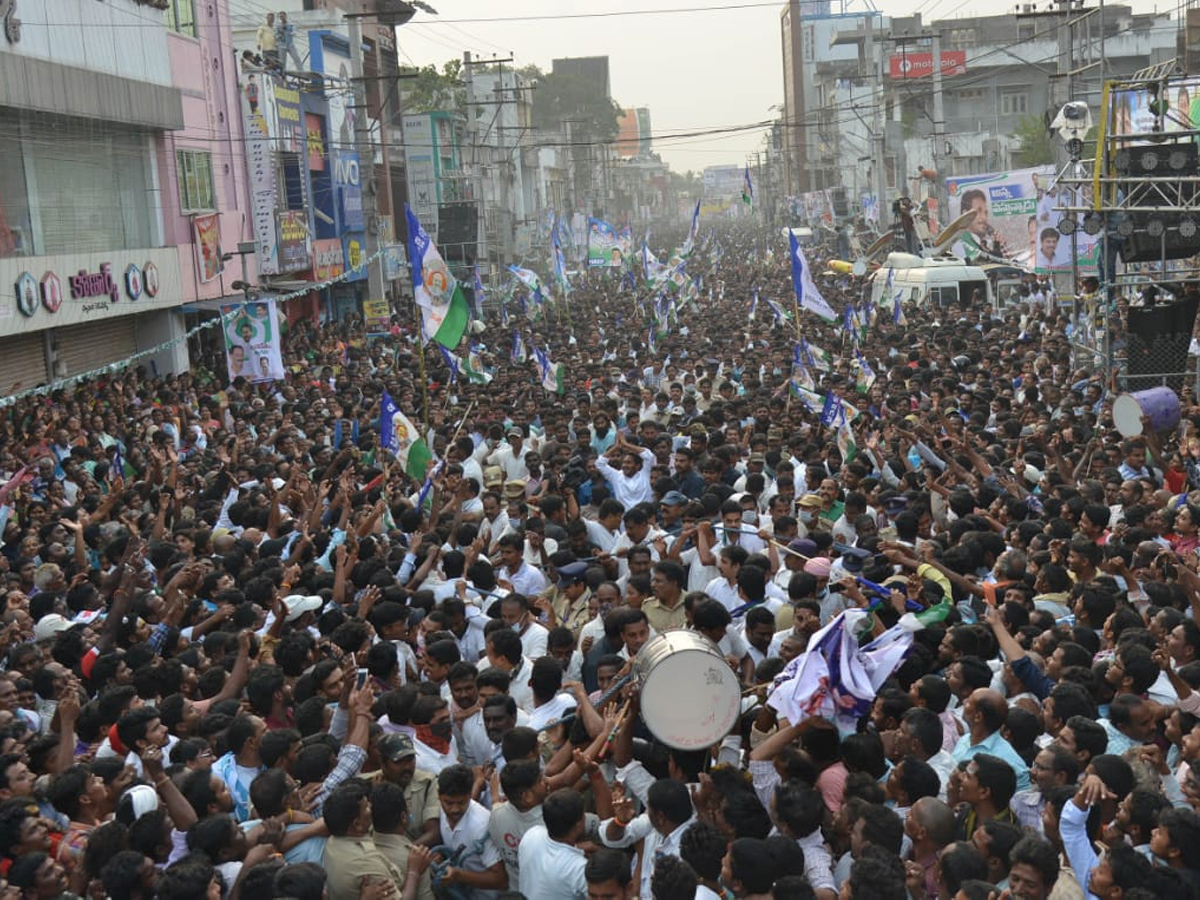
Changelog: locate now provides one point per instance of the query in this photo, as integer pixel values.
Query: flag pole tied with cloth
(837, 679)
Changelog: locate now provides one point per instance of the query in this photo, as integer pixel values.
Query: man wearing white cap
(49, 626)
(302, 611)
(510, 456)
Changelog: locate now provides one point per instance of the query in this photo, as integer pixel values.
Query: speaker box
(1170, 158)
(1159, 337)
(1168, 162)
(841, 209)
(458, 223)
(1148, 244)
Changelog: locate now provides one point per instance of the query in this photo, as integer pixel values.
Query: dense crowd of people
(245, 654)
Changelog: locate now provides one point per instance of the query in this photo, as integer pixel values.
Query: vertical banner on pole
(252, 341)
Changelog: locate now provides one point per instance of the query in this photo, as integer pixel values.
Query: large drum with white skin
(690, 697)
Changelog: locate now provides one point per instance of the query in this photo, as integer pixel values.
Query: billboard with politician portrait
(251, 333)
(604, 245)
(1016, 218)
(1130, 116)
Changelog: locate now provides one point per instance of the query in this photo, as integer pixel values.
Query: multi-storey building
(122, 182)
(859, 92)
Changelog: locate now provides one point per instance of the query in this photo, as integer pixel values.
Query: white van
(804, 236)
(942, 281)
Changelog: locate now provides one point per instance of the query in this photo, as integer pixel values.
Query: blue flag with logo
(480, 296)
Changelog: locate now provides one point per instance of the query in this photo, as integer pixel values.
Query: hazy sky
(703, 69)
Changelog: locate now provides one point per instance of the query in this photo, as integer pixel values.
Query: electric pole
(939, 127)
(934, 36)
(874, 55)
(365, 149)
(483, 250)
(505, 214)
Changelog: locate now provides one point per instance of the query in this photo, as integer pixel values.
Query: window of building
(292, 196)
(962, 38)
(194, 168)
(89, 187)
(971, 95)
(1014, 103)
(181, 16)
(16, 231)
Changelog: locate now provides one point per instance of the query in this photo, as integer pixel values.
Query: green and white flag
(445, 312)
(845, 441)
(399, 436)
(475, 370)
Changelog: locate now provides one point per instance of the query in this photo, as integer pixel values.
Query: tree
(593, 116)
(689, 182)
(434, 91)
(1034, 145)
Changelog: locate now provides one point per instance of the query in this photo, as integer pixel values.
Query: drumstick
(612, 690)
(461, 423)
(787, 549)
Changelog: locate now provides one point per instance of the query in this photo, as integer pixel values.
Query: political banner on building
(259, 111)
(420, 171)
(314, 141)
(1016, 218)
(604, 245)
(377, 313)
(290, 132)
(252, 341)
(328, 259)
(818, 207)
(338, 89)
(208, 246)
(293, 241)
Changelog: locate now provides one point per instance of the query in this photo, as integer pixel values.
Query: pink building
(205, 198)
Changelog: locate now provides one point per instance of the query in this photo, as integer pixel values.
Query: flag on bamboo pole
(400, 436)
(807, 295)
(444, 310)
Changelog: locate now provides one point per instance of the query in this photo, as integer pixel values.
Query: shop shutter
(22, 363)
(82, 348)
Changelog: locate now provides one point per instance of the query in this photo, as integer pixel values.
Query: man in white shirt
(551, 866)
(724, 588)
(476, 864)
(920, 737)
(631, 483)
(504, 653)
(514, 610)
(538, 547)
(510, 456)
(466, 624)
(639, 532)
(733, 533)
(474, 748)
(434, 740)
(668, 814)
(494, 524)
(605, 530)
(521, 577)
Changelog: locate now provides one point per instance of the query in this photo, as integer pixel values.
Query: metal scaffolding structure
(1140, 191)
